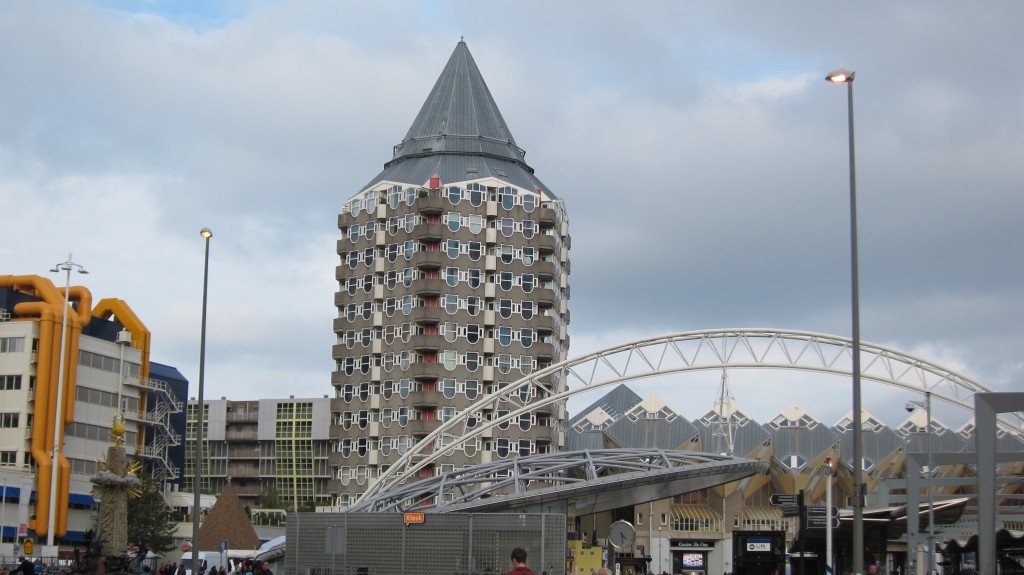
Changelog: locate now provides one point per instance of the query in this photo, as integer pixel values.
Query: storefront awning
(695, 511)
(763, 518)
(762, 514)
(696, 518)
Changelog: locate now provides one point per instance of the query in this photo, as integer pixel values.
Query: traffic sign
(27, 546)
(784, 499)
(821, 522)
(821, 511)
(185, 547)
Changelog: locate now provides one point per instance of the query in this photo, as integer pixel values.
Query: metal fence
(443, 544)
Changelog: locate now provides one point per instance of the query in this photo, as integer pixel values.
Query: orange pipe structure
(108, 307)
(49, 313)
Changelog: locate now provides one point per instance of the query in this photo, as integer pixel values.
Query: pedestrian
(266, 568)
(26, 567)
(519, 563)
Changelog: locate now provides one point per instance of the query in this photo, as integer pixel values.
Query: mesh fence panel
(448, 544)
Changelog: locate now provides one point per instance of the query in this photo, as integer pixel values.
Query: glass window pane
(450, 359)
(529, 202)
(451, 303)
(526, 337)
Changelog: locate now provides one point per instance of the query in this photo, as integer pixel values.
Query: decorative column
(114, 483)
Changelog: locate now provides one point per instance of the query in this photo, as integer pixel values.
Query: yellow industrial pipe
(49, 313)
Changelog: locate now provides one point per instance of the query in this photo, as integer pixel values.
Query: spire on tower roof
(459, 116)
(459, 134)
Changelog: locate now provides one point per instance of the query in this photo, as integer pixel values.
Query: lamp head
(910, 406)
(206, 233)
(840, 76)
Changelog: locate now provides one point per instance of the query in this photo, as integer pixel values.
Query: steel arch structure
(745, 348)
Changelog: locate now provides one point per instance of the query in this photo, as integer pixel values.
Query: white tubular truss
(745, 348)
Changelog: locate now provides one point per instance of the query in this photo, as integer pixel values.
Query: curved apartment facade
(453, 281)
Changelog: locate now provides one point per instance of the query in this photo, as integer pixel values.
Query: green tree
(151, 523)
(271, 499)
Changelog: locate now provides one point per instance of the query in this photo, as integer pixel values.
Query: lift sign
(759, 545)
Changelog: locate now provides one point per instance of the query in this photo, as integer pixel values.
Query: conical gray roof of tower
(459, 134)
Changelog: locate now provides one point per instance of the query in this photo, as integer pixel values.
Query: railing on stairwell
(158, 419)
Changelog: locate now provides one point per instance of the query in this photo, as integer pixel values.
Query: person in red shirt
(519, 563)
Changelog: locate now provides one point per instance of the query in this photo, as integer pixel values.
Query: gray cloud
(699, 150)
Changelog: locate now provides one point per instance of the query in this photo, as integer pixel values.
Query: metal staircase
(161, 405)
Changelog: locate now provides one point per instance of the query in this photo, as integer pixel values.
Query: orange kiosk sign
(417, 518)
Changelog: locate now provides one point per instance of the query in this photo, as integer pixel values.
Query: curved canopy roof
(596, 480)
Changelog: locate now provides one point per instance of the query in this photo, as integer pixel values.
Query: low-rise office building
(106, 373)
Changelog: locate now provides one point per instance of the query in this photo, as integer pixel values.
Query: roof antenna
(462, 39)
(723, 426)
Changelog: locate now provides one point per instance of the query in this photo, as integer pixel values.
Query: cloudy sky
(700, 153)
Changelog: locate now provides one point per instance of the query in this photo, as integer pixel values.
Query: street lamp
(927, 405)
(198, 455)
(58, 420)
(843, 76)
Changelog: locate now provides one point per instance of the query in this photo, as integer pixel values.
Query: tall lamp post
(58, 420)
(198, 455)
(843, 76)
(927, 405)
